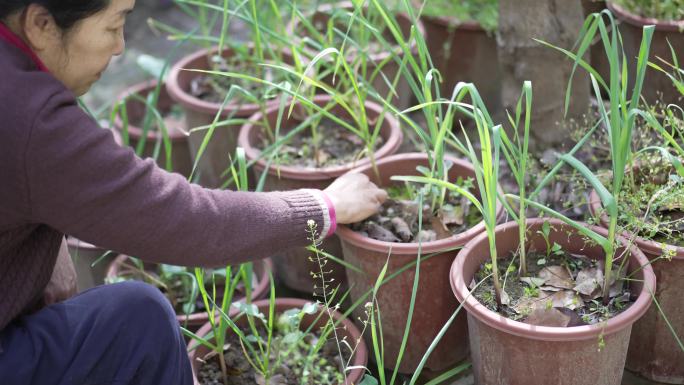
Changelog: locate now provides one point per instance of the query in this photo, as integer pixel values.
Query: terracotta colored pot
(293, 266)
(390, 69)
(511, 352)
(631, 29)
(202, 113)
(346, 329)
(465, 52)
(434, 303)
(654, 352)
(135, 109)
(84, 255)
(194, 321)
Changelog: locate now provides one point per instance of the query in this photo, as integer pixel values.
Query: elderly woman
(62, 174)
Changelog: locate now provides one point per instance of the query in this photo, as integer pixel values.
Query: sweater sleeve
(82, 183)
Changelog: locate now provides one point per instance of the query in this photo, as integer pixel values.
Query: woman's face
(80, 55)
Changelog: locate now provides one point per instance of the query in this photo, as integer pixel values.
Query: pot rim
(647, 245)
(547, 333)
(639, 21)
(261, 288)
(359, 361)
(449, 21)
(442, 245)
(392, 143)
(179, 95)
(133, 130)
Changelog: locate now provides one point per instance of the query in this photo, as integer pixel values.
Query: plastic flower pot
(201, 113)
(84, 255)
(194, 321)
(345, 329)
(293, 266)
(434, 303)
(506, 352)
(654, 352)
(390, 68)
(463, 51)
(631, 28)
(135, 111)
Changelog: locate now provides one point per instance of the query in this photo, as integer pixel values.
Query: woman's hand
(62, 284)
(355, 197)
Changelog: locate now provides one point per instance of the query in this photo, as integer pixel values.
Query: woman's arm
(83, 184)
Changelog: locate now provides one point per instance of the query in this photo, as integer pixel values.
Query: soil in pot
(214, 88)
(653, 207)
(560, 290)
(398, 218)
(332, 146)
(506, 351)
(324, 368)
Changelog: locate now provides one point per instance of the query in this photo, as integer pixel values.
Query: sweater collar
(10, 37)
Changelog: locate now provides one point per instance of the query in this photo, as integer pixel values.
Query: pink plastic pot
(345, 329)
(262, 270)
(434, 303)
(293, 266)
(84, 255)
(389, 67)
(631, 28)
(654, 352)
(508, 352)
(201, 113)
(472, 56)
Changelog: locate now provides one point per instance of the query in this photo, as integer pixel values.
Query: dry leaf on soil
(548, 317)
(557, 276)
(450, 215)
(588, 280)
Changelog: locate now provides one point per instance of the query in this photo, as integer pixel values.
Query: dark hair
(65, 12)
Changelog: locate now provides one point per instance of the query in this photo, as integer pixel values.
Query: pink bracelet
(331, 214)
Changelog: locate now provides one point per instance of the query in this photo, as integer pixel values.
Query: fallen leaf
(380, 233)
(526, 304)
(550, 288)
(440, 229)
(575, 319)
(563, 298)
(505, 298)
(426, 236)
(401, 228)
(321, 156)
(617, 287)
(557, 276)
(548, 317)
(533, 281)
(588, 280)
(451, 215)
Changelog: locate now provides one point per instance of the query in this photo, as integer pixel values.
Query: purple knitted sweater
(60, 173)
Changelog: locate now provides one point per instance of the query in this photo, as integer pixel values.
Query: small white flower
(311, 223)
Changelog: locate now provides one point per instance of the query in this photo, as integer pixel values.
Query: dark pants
(119, 334)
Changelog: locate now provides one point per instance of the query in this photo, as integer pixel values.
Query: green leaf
(249, 309)
(546, 229)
